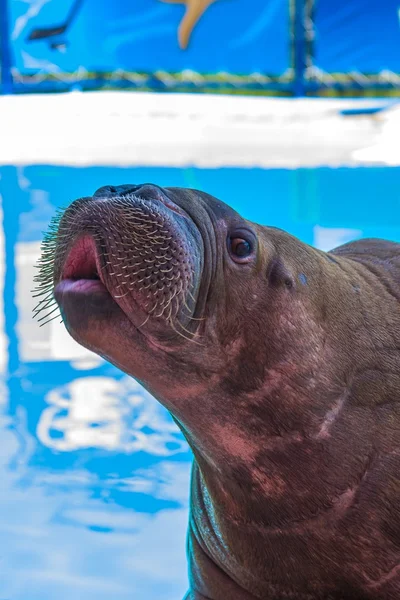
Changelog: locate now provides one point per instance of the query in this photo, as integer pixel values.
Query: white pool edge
(179, 130)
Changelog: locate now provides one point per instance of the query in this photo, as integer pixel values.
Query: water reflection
(63, 539)
(103, 412)
(94, 473)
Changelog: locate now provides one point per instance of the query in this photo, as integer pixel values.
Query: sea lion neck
(282, 412)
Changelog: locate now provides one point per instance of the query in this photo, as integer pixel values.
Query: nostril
(105, 191)
(128, 189)
(112, 190)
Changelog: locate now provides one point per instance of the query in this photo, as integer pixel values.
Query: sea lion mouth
(136, 249)
(83, 265)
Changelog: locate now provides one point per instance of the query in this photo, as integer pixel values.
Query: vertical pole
(5, 50)
(10, 229)
(299, 46)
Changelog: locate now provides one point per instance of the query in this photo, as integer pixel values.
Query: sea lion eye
(240, 248)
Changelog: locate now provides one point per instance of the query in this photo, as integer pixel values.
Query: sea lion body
(281, 365)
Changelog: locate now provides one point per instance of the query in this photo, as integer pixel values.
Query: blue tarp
(170, 44)
(360, 35)
(90, 38)
(231, 35)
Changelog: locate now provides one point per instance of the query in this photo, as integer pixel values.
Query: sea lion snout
(145, 250)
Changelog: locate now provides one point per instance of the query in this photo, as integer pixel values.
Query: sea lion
(280, 364)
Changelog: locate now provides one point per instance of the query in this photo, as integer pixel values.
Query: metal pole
(5, 50)
(299, 47)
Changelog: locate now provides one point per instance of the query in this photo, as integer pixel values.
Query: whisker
(52, 319)
(140, 254)
(171, 322)
(48, 314)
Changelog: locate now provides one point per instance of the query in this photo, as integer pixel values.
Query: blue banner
(288, 46)
(93, 38)
(361, 36)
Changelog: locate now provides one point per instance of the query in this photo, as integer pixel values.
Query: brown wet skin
(280, 364)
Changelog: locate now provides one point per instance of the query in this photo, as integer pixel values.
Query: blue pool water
(93, 473)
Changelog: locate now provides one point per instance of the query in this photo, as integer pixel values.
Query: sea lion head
(145, 276)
